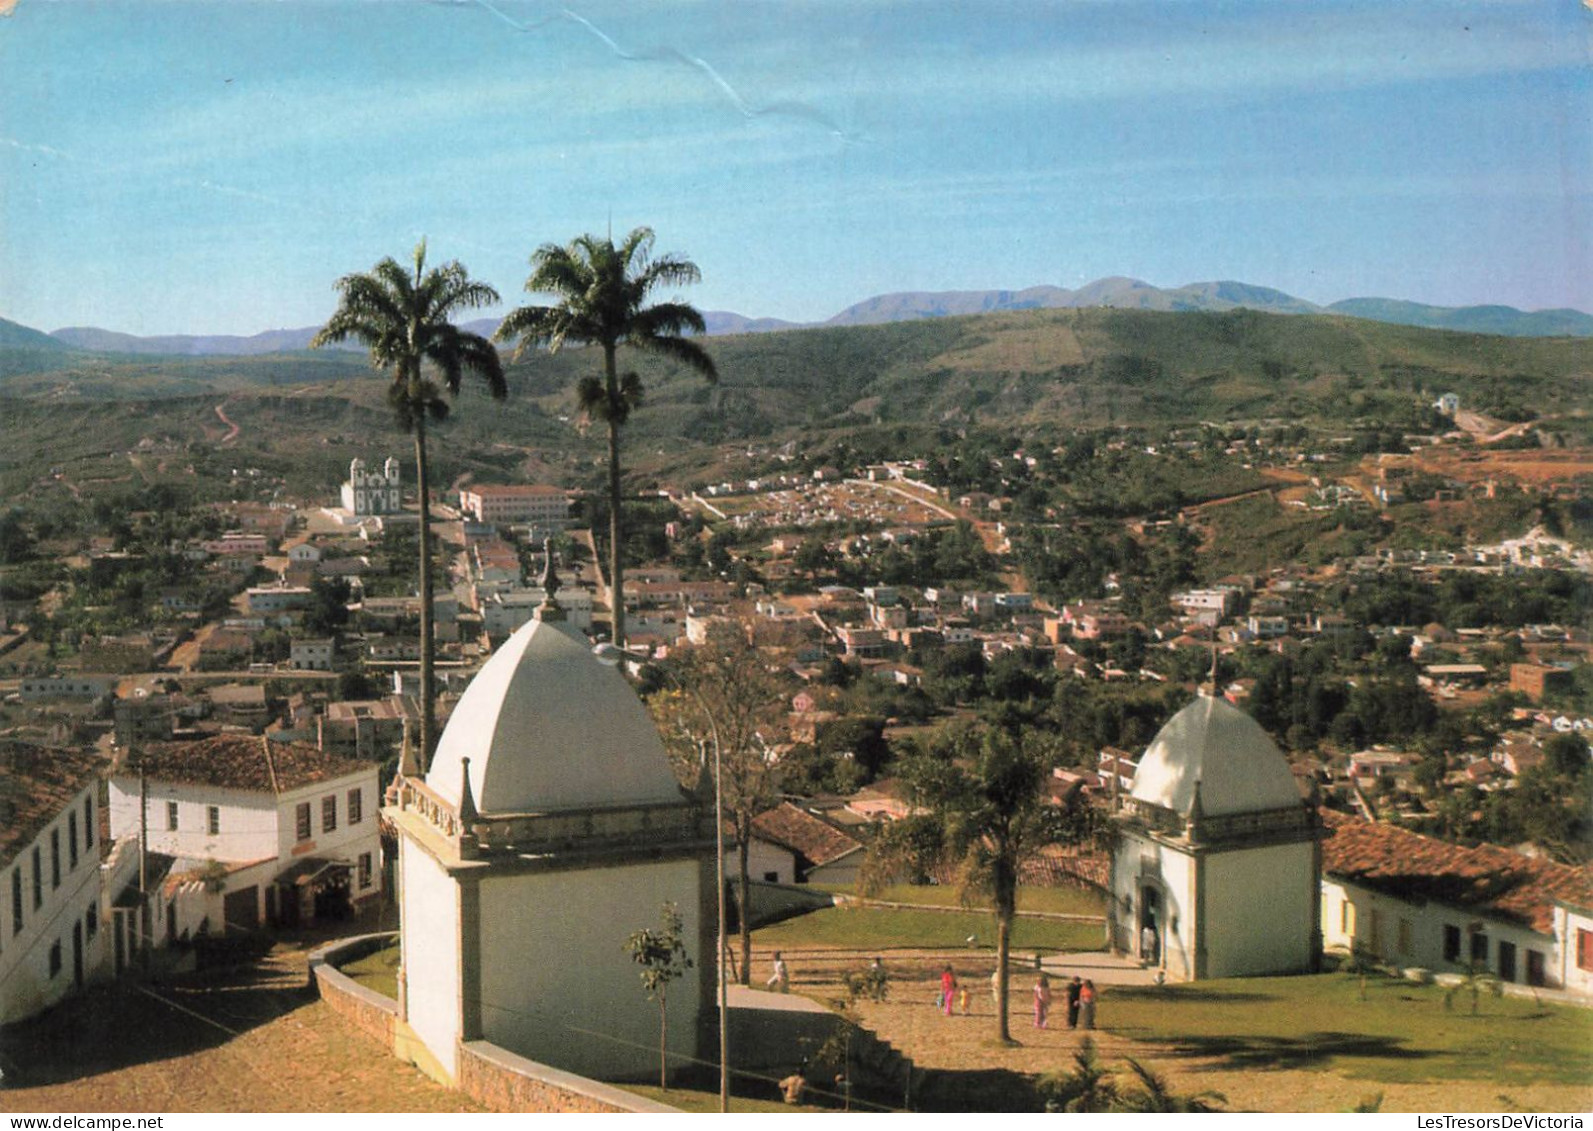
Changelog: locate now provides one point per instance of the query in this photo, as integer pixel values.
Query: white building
(548, 829)
(1215, 870)
(372, 492)
(51, 941)
(293, 828)
(546, 508)
(505, 611)
(1416, 901)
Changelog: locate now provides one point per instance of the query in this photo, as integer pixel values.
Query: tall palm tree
(602, 291)
(403, 318)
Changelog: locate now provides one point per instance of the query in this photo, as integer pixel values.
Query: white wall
(561, 988)
(26, 983)
(1374, 921)
(248, 820)
(1175, 917)
(1567, 923)
(1258, 908)
(429, 943)
(346, 842)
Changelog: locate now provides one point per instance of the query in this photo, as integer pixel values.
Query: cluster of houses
(133, 861)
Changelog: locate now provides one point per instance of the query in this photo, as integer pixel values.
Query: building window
(328, 813)
(171, 816)
(1479, 950)
(55, 958)
(91, 920)
(88, 822)
(71, 841)
(1405, 932)
(1347, 918)
(213, 819)
(301, 820)
(1451, 943)
(16, 901)
(356, 807)
(365, 870)
(55, 858)
(1584, 949)
(38, 879)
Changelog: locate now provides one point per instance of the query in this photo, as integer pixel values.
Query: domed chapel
(1216, 869)
(548, 828)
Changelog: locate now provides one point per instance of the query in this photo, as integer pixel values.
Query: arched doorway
(1148, 925)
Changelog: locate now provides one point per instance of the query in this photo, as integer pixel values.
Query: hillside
(1020, 369)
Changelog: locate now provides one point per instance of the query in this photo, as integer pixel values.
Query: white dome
(548, 726)
(1211, 742)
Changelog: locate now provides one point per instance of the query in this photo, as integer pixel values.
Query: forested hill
(1019, 369)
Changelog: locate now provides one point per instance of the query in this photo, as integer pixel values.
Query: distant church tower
(370, 492)
(549, 828)
(1216, 870)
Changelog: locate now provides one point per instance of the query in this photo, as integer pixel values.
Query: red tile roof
(245, 762)
(1485, 880)
(816, 840)
(36, 784)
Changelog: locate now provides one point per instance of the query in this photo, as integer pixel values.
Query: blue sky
(202, 166)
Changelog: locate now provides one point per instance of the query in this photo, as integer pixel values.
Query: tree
(403, 319)
(662, 956)
(985, 787)
(602, 291)
(727, 693)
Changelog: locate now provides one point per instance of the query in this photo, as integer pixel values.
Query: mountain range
(1115, 292)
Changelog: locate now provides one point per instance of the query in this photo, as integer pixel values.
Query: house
(312, 654)
(1416, 901)
(282, 833)
(51, 942)
(547, 508)
(820, 852)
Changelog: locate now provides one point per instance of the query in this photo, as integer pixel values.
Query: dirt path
(250, 1039)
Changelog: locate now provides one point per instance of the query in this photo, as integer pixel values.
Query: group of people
(1080, 999)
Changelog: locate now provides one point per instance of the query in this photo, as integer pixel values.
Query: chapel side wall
(1259, 904)
(429, 939)
(562, 988)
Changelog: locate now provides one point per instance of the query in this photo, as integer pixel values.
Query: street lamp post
(613, 654)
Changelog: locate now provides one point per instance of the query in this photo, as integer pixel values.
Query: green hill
(1032, 371)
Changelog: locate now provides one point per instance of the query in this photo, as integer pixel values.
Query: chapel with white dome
(1217, 865)
(547, 829)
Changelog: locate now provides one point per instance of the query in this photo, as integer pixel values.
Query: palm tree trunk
(428, 719)
(616, 583)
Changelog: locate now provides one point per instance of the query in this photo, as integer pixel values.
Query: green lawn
(376, 971)
(1400, 1033)
(872, 928)
(1061, 901)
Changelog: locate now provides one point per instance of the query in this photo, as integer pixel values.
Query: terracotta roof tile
(243, 762)
(814, 839)
(36, 784)
(1487, 879)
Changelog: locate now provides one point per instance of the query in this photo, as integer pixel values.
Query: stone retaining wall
(368, 1011)
(500, 1080)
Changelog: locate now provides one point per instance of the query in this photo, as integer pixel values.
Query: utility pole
(144, 925)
